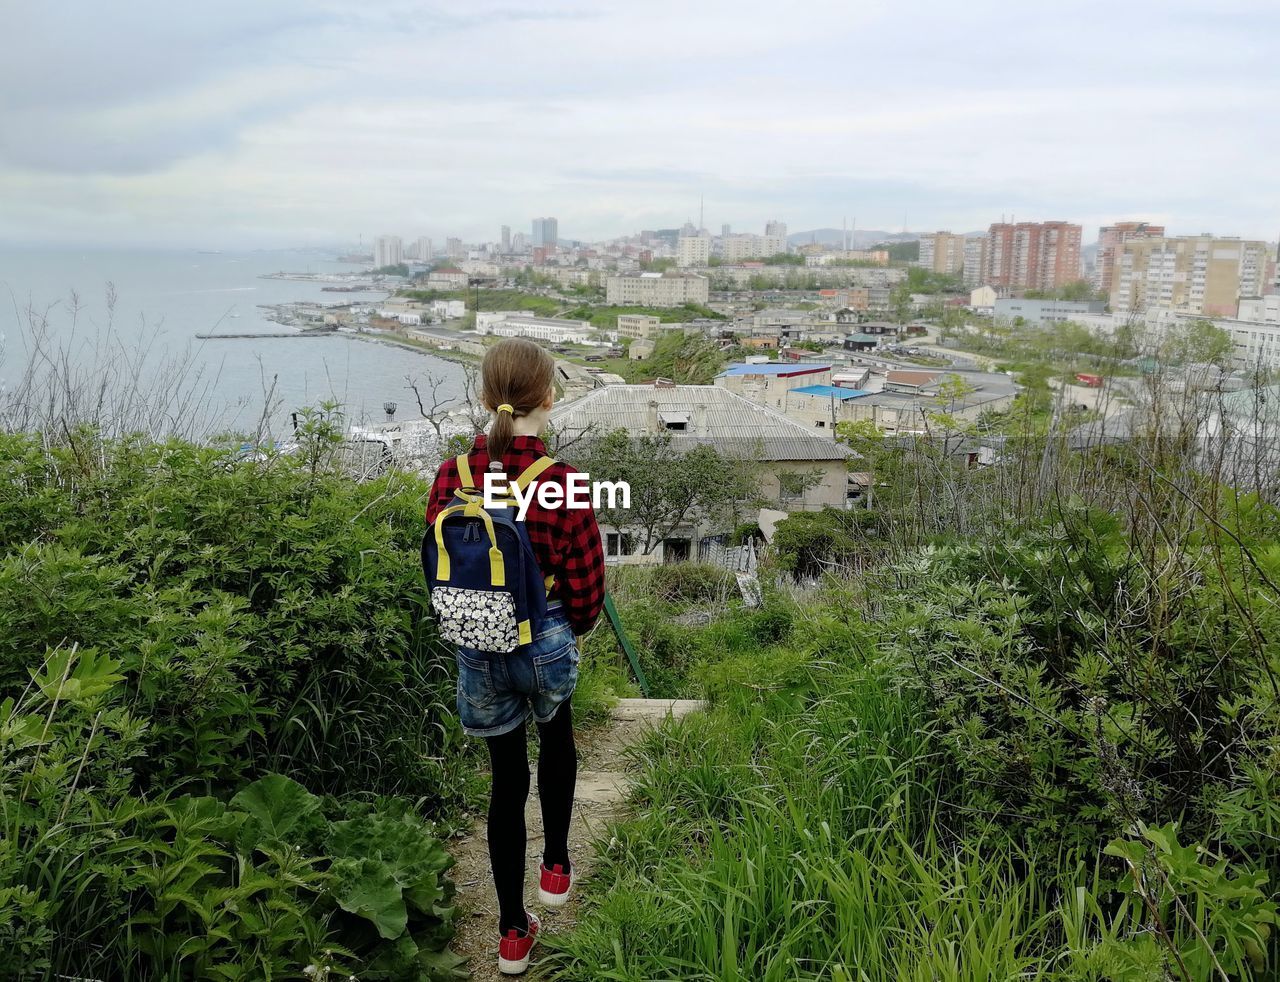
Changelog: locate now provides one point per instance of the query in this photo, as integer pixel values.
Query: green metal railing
(621, 634)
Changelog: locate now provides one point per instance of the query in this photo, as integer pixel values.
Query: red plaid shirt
(565, 540)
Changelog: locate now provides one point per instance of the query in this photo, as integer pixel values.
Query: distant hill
(860, 238)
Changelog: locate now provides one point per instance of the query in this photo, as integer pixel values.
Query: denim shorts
(497, 693)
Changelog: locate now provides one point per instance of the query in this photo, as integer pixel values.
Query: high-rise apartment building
(546, 232)
(387, 251)
(775, 238)
(423, 249)
(744, 245)
(1111, 240)
(942, 252)
(747, 245)
(1032, 255)
(455, 248)
(505, 238)
(1197, 274)
(693, 250)
(975, 258)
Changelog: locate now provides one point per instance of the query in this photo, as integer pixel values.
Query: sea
(163, 299)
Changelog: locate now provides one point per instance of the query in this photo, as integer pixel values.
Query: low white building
(514, 324)
(983, 298)
(1262, 309)
(448, 309)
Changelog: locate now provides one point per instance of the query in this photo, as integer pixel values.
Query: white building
(514, 324)
(387, 251)
(425, 250)
(448, 309)
(693, 250)
(1265, 309)
(983, 299)
(666, 289)
(639, 326)
(451, 278)
(975, 254)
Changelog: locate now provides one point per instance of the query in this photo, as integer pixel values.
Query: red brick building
(1032, 255)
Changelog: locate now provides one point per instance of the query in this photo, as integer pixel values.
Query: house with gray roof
(691, 415)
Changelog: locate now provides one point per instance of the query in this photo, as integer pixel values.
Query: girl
(497, 692)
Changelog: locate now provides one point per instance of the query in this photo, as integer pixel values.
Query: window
(820, 423)
(618, 544)
(674, 421)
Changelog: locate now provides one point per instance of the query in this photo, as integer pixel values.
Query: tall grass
(795, 832)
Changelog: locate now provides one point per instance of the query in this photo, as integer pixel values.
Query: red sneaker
(554, 884)
(513, 950)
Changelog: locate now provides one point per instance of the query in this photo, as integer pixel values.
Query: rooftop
(714, 416)
(830, 391)
(906, 377)
(670, 274)
(783, 369)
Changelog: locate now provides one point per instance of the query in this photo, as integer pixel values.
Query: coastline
(422, 349)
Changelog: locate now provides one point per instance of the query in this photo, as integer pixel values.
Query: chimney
(700, 419)
(654, 426)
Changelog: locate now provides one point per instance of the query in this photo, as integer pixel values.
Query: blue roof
(773, 368)
(829, 391)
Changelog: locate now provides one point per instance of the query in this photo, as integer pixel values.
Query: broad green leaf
(280, 810)
(367, 888)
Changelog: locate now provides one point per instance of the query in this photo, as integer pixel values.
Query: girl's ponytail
(501, 432)
(515, 377)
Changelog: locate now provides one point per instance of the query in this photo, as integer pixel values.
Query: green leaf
(280, 810)
(366, 887)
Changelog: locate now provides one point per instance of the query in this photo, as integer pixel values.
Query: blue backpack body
(486, 589)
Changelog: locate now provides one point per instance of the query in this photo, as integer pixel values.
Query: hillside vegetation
(1012, 722)
(1017, 723)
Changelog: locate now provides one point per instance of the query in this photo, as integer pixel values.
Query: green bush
(808, 544)
(267, 615)
(190, 639)
(98, 880)
(1084, 689)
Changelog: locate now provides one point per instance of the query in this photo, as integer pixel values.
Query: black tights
(508, 839)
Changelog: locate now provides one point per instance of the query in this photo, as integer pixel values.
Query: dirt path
(601, 796)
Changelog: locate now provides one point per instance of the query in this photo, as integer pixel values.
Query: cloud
(288, 121)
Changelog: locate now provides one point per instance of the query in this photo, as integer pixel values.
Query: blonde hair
(515, 373)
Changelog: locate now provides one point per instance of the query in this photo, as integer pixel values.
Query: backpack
(486, 589)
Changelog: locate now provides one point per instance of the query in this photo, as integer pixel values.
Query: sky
(282, 123)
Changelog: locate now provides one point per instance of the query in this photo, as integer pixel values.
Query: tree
(1200, 342)
(670, 489)
(900, 301)
(794, 484)
(900, 252)
(943, 420)
(687, 359)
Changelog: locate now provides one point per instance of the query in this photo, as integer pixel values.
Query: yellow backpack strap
(532, 472)
(497, 567)
(464, 472)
